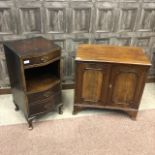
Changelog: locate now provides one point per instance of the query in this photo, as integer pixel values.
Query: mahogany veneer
(35, 76)
(110, 77)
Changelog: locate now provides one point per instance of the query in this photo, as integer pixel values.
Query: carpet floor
(110, 133)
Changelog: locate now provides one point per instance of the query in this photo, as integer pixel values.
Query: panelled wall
(72, 22)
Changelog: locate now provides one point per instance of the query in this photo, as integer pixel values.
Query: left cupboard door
(91, 83)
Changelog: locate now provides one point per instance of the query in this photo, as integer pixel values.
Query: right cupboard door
(126, 85)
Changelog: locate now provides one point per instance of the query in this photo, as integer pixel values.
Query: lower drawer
(36, 97)
(46, 105)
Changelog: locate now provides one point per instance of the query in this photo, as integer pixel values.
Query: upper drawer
(40, 60)
(34, 98)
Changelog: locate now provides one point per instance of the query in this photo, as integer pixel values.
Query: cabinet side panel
(16, 77)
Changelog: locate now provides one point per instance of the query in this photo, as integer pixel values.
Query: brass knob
(44, 59)
(110, 85)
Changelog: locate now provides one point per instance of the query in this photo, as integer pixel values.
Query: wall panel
(72, 22)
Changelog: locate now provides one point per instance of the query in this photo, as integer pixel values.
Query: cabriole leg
(60, 109)
(30, 126)
(16, 106)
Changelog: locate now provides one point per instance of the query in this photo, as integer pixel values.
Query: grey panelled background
(72, 22)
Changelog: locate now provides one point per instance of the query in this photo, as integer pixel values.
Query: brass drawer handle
(47, 94)
(44, 59)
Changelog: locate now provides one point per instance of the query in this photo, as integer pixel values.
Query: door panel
(125, 85)
(124, 88)
(92, 83)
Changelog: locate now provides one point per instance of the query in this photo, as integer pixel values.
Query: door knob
(110, 85)
(44, 59)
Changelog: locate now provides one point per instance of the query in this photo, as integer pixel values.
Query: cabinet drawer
(30, 61)
(36, 97)
(45, 105)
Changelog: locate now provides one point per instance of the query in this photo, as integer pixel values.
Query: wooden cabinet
(34, 67)
(110, 77)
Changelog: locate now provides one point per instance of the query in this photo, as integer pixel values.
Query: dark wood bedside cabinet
(34, 67)
(110, 77)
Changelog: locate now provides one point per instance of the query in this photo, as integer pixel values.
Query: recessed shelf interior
(42, 78)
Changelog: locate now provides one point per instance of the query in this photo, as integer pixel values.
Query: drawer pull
(47, 94)
(44, 59)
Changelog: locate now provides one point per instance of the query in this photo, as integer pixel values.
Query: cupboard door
(126, 85)
(92, 83)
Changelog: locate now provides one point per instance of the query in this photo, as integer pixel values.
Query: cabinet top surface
(32, 46)
(114, 54)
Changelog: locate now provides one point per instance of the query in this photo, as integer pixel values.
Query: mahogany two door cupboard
(110, 77)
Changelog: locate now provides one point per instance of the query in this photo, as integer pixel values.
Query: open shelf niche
(42, 78)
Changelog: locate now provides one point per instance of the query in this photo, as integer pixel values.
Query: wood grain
(115, 54)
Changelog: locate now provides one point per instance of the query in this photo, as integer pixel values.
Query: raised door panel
(81, 14)
(105, 17)
(29, 17)
(30, 20)
(125, 87)
(146, 21)
(128, 13)
(7, 18)
(93, 83)
(56, 17)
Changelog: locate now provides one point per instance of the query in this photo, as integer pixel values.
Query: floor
(9, 116)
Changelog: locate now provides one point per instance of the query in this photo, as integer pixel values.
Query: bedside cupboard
(34, 67)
